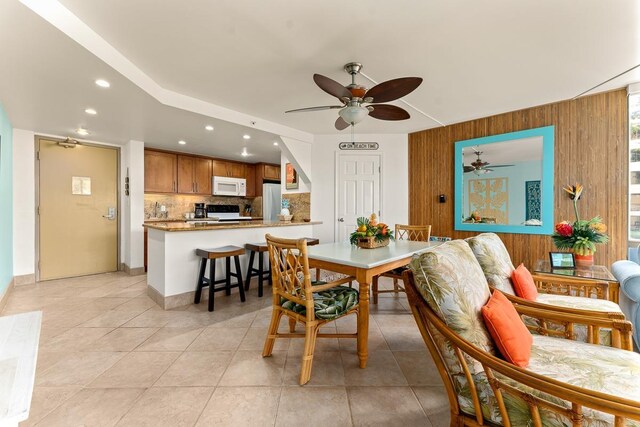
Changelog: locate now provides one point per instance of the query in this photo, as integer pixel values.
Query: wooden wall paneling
(591, 147)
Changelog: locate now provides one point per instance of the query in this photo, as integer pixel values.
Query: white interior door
(358, 189)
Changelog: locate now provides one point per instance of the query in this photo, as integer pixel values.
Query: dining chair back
(303, 301)
(416, 233)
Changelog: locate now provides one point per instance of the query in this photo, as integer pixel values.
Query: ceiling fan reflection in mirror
(357, 102)
(478, 167)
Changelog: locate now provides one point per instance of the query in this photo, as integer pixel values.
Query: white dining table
(364, 265)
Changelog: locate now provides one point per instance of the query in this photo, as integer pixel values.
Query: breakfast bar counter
(173, 265)
(222, 225)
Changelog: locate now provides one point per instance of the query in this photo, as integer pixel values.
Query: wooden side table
(599, 273)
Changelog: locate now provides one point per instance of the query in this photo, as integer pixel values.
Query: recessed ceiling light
(103, 83)
(181, 142)
(208, 127)
(81, 131)
(275, 143)
(244, 152)
(91, 111)
(246, 136)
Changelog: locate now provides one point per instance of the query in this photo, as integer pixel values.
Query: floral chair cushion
(581, 303)
(594, 367)
(494, 260)
(451, 281)
(329, 304)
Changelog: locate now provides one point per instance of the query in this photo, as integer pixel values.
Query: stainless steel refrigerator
(271, 201)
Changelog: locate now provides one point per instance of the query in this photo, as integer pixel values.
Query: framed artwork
(291, 177)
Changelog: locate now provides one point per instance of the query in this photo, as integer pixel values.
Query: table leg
(363, 322)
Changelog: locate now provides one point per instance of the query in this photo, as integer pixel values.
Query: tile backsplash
(179, 204)
(299, 205)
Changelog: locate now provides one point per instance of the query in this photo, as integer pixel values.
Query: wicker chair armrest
(620, 329)
(429, 323)
(329, 285)
(564, 286)
(568, 310)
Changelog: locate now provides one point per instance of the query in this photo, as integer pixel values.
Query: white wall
(24, 198)
(303, 187)
(394, 179)
(132, 206)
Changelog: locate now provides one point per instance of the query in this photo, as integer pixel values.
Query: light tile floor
(110, 356)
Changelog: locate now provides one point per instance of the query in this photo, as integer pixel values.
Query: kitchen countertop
(169, 225)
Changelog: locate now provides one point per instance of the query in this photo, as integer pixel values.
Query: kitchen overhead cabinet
(251, 180)
(229, 169)
(194, 175)
(271, 172)
(160, 172)
(265, 172)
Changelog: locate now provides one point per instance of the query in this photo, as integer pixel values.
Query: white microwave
(225, 186)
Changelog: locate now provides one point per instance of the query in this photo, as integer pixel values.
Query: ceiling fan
(353, 98)
(479, 167)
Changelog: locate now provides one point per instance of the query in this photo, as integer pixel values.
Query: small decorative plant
(369, 229)
(581, 236)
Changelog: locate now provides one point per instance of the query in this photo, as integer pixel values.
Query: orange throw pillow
(523, 283)
(507, 329)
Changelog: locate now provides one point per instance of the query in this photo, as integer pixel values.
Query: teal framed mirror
(504, 183)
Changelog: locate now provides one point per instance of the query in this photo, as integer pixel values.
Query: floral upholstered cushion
(579, 302)
(494, 260)
(593, 304)
(329, 304)
(451, 281)
(594, 367)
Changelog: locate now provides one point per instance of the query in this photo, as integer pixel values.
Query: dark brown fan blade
(502, 166)
(341, 124)
(393, 89)
(468, 168)
(324, 107)
(388, 112)
(332, 87)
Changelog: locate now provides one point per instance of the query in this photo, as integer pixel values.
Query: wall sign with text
(358, 145)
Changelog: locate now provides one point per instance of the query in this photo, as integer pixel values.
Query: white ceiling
(258, 58)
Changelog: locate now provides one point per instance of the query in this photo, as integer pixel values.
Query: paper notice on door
(81, 185)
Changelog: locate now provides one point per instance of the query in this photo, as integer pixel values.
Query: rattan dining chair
(311, 303)
(416, 233)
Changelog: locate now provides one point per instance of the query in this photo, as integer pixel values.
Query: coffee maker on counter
(200, 211)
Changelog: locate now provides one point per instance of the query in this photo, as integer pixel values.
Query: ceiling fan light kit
(354, 96)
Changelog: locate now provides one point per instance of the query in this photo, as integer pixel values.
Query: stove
(226, 213)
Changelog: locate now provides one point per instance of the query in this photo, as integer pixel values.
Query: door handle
(340, 219)
(196, 187)
(111, 214)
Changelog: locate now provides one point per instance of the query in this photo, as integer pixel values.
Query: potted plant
(370, 233)
(581, 236)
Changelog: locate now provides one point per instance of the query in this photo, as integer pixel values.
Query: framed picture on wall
(292, 177)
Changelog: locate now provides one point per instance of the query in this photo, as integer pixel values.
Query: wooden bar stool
(260, 272)
(225, 252)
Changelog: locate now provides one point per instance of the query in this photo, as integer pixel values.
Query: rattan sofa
(567, 383)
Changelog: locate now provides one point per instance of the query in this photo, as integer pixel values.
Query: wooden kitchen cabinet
(194, 175)
(265, 172)
(228, 169)
(202, 175)
(160, 172)
(250, 176)
(272, 172)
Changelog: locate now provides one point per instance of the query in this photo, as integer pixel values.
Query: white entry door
(358, 189)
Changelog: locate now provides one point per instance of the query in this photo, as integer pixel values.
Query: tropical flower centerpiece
(581, 236)
(370, 233)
